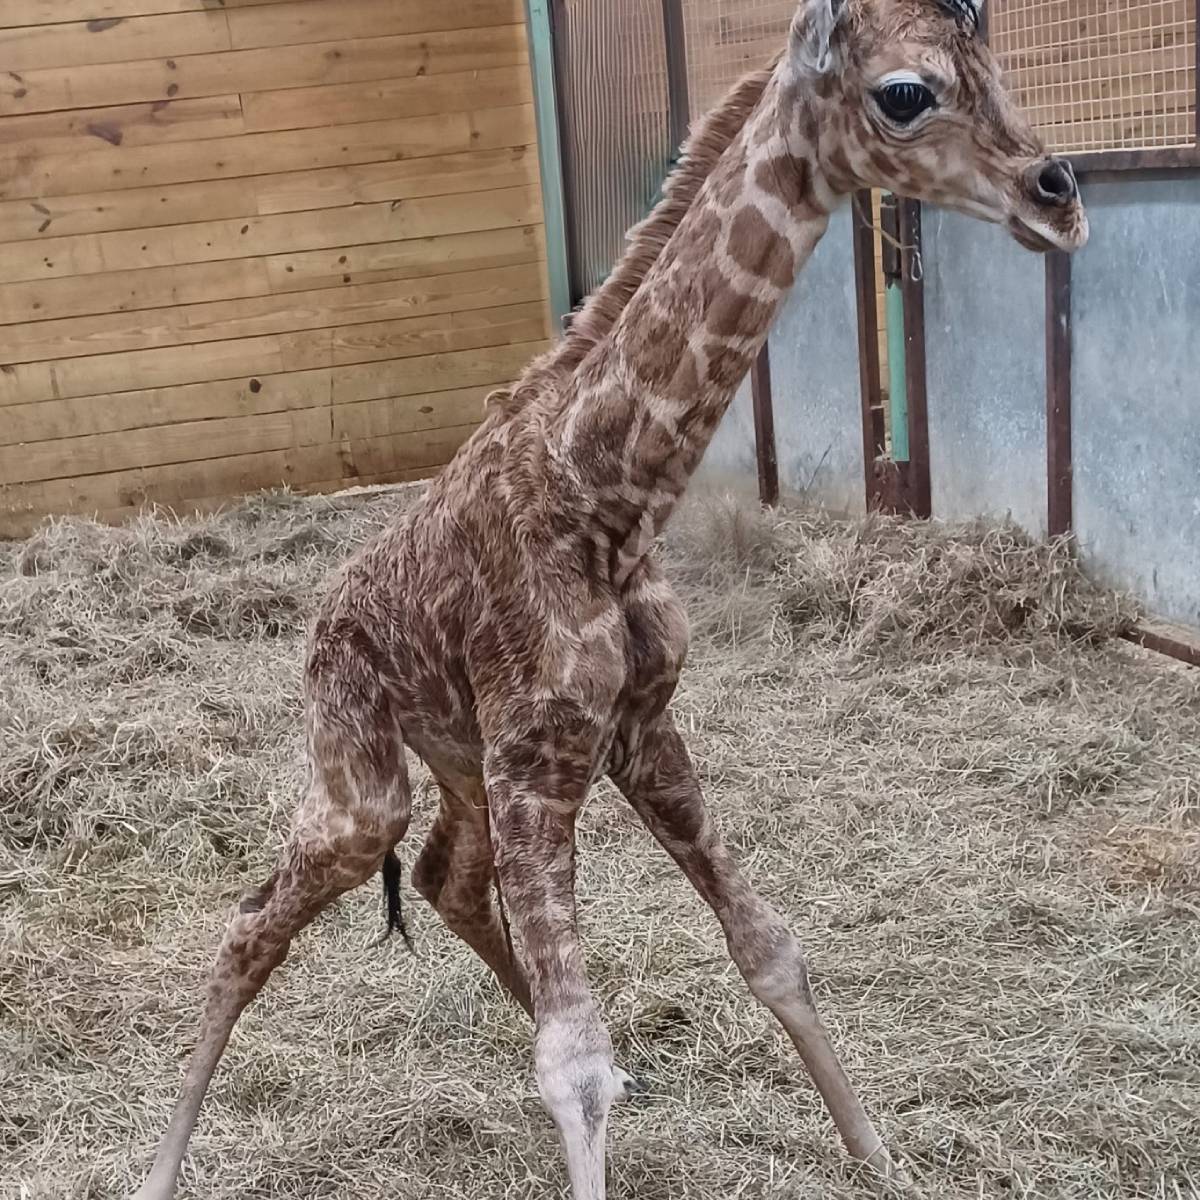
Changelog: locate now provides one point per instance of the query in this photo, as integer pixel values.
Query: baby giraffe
(514, 630)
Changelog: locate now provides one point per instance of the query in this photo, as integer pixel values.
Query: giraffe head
(905, 95)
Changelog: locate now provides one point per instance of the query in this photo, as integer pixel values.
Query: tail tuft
(392, 873)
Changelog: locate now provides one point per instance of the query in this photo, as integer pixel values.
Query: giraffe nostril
(1054, 182)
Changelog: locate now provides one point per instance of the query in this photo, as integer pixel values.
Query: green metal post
(893, 294)
(540, 31)
(897, 376)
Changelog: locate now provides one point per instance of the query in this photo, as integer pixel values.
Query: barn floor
(981, 811)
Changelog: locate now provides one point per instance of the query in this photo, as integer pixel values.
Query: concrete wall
(1136, 296)
(1136, 384)
(985, 338)
(1136, 305)
(814, 375)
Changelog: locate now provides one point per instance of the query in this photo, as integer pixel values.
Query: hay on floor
(980, 809)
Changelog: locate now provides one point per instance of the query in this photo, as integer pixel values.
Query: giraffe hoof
(627, 1086)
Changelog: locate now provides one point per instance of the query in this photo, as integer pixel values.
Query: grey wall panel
(814, 375)
(985, 334)
(1136, 304)
(814, 372)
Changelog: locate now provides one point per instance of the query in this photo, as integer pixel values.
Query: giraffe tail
(392, 873)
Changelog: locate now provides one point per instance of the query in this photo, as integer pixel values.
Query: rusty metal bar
(678, 96)
(1156, 158)
(918, 489)
(1178, 645)
(869, 375)
(764, 429)
(1059, 465)
(567, 167)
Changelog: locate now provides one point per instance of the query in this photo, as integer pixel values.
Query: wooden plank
(49, 12)
(192, 505)
(175, 204)
(125, 291)
(89, 254)
(179, 442)
(383, 479)
(386, 99)
(118, 411)
(31, 175)
(79, 416)
(765, 450)
(224, 437)
(194, 75)
(402, 260)
(29, 383)
(400, 339)
(185, 324)
(404, 451)
(194, 283)
(319, 21)
(487, 365)
(444, 175)
(128, 125)
(395, 453)
(113, 40)
(134, 208)
(407, 414)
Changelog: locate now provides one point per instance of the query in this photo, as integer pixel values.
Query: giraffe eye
(905, 101)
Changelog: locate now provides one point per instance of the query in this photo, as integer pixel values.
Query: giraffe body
(514, 629)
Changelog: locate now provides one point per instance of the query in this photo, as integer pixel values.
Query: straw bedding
(979, 808)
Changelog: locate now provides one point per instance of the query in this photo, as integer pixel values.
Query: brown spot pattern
(755, 246)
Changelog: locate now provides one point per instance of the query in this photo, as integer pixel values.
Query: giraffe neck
(646, 402)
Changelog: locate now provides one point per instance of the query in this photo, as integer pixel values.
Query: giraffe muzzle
(1052, 184)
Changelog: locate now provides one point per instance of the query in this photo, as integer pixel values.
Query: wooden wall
(253, 242)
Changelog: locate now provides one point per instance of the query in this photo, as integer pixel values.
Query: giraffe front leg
(661, 785)
(533, 829)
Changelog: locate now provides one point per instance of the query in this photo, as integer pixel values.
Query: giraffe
(514, 630)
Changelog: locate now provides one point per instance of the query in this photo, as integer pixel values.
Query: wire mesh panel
(616, 129)
(1101, 74)
(727, 38)
(614, 89)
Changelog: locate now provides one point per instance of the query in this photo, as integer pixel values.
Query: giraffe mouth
(1030, 238)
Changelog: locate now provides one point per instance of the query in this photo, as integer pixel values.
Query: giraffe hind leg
(456, 875)
(352, 816)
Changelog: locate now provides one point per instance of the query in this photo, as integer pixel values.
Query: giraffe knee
(577, 1079)
(777, 974)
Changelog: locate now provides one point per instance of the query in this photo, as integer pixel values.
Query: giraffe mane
(708, 140)
(702, 150)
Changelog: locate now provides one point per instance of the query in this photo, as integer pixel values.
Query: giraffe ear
(814, 35)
